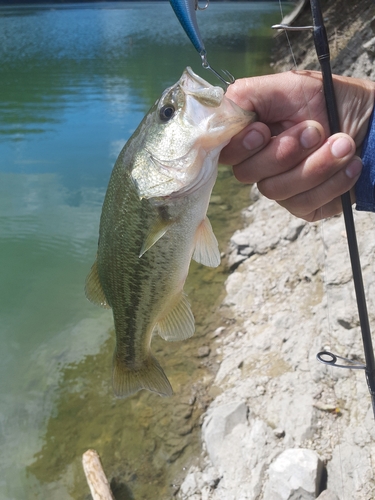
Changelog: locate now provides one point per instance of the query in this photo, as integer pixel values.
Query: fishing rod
(323, 53)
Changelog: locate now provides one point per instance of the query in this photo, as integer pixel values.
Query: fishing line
(330, 337)
(294, 64)
(287, 37)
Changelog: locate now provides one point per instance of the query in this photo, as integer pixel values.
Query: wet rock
(204, 351)
(183, 411)
(295, 473)
(216, 333)
(186, 429)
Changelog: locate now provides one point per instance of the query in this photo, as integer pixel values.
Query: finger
(330, 209)
(282, 153)
(317, 168)
(246, 144)
(324, 200)
(283, 99)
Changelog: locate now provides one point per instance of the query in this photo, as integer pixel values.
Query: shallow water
(76, 81)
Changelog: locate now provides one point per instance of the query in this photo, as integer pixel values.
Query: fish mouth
(195, 86)
(207, 105)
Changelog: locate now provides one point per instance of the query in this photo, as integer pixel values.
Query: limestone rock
(294, 475)
(291, 297)
(327, 495)
(219, 423)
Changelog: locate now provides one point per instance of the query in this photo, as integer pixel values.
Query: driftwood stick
(96, 479)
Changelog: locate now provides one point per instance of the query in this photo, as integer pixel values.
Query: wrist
(365, 186)
(356, 99)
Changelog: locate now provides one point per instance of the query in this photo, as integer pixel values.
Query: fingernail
(253, 140)
(310, 137)
(341, 147)
(354, 168)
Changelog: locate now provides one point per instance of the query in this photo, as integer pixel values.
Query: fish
(154, 221)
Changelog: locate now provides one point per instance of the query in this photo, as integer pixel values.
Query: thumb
(245, 144)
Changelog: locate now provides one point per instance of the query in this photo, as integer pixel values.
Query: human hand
(289, 152)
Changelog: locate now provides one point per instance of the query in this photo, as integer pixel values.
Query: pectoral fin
(206, 249)
(93, 289)
(178, 324)
(157, 230)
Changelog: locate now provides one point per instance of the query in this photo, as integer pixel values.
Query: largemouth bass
(154, 221)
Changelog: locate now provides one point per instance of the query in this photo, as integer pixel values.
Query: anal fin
(93, 289)
(178, 323)
(206, 249)
(150, 375)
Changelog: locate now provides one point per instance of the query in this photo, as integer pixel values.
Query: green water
(75, 82)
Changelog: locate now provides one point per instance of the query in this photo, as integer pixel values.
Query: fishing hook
(323, 53)
(226, 73)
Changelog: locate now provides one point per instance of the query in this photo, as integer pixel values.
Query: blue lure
(186, 13)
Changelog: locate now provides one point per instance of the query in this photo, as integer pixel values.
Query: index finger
(282, 100)
(282, 153)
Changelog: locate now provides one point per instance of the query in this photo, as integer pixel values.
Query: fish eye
(166, 112)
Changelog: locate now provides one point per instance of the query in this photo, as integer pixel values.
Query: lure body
(186, 12)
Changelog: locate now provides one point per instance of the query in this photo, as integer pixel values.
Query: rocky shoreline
(282, 425)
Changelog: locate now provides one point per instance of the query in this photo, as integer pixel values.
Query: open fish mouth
(207, 107)
(200, 89)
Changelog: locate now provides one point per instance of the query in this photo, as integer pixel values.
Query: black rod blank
(322, 50)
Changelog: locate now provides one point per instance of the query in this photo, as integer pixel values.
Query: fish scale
(154, 221)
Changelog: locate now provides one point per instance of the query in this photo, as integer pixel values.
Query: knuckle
(275, 188)
(286, 153)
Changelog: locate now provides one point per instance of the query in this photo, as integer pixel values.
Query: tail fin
(127, 381)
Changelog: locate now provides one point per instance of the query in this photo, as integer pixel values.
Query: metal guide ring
(333, 358)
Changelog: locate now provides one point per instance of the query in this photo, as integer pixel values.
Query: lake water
(75, 82)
